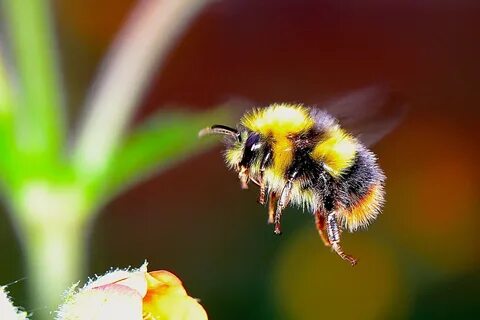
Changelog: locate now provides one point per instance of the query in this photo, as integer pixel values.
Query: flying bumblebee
(315, 158)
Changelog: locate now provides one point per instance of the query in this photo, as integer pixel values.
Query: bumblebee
(303, 156)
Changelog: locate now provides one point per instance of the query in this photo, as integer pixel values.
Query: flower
(131, 295)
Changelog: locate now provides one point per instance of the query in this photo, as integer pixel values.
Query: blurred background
(419, 260)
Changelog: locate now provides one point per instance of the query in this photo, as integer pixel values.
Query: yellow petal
(173, 307)
(166, 299)
(161, 282)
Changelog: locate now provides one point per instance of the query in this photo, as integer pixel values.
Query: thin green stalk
(41, 116)
(5, 91)
(140, 50)
(7, 138)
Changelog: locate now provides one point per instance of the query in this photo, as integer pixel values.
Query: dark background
(419, 260)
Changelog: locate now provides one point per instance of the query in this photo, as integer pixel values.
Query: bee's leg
(263, 165)
(321, 226)
(243, 175)
(272, 198)
(282, 204)
(261, 197)
(333, 233)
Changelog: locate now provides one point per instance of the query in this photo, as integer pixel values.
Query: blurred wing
(369, 113)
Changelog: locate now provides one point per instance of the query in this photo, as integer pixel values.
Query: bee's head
(241, 145)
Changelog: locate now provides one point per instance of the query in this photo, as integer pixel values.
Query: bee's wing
(369, 113)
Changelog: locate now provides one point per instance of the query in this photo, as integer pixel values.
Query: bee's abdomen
(360, 191)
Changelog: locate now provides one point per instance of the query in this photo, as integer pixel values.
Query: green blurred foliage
(53, 189)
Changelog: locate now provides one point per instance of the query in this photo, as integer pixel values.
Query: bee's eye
(253, 142)
(251, 145)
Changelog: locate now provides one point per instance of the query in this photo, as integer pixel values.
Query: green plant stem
(41, 117)
(5, 90)
(52, 225)
(55, 260)
(139, 51)
(7, 135)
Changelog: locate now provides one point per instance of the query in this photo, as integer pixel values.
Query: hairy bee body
(334, 171)
(302, 156)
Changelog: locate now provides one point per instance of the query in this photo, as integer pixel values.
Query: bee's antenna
(220, 129)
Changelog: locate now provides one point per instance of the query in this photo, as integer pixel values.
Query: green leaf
(163, 140)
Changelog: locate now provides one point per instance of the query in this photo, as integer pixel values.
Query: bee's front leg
(244, 177)
(261, 183)
(266, 158)
(333, 233)
(282, 204)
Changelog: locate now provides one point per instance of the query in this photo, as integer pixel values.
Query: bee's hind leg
(333, 233)
(321, 226)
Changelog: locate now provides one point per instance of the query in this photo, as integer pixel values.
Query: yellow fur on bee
(336, 150)
(303, 198)
(278, 120)
(306, 198)
(233, 156)
(278, 123)
(282, 155)
(365, 211)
